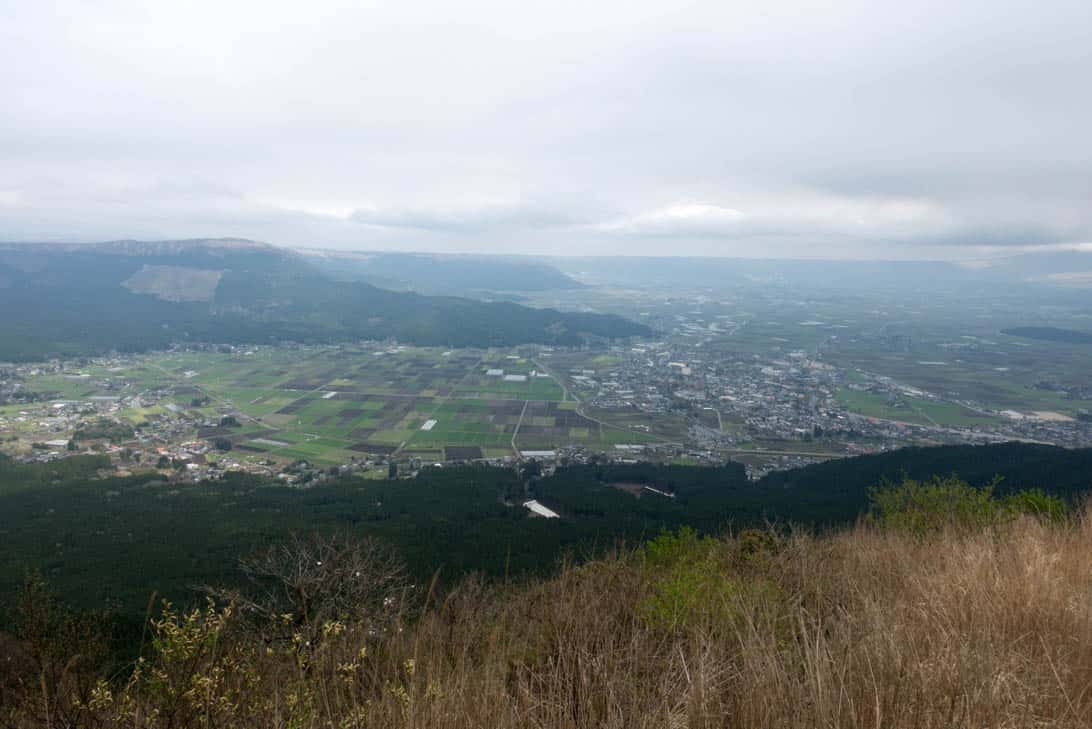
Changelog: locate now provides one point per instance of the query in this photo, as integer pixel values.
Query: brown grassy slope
(865, 628)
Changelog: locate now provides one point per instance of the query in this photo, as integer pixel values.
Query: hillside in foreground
(946, 608)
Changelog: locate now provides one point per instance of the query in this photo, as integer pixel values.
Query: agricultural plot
(511, 377)
(997, 372)
(546, 424)
(330, 404)
(911, 409)
(469, 422)
(878, 406)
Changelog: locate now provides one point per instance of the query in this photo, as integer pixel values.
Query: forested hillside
(132, 296)
(116, 540)
(435, 273)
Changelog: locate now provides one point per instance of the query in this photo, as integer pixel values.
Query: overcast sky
(832, 128)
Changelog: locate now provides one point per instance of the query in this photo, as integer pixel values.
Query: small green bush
(1038, 503)
(921, 507)
(687, 585)
(692, 583)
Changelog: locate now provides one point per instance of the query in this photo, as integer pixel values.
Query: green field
(873, 405)
(913, 410)
(329, 404)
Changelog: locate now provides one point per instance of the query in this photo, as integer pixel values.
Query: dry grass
(865, 628)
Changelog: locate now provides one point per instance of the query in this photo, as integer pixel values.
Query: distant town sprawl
(305, 413)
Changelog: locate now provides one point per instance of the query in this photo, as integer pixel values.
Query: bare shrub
(49, 667)
(300, 585)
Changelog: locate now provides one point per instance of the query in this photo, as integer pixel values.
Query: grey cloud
(925, 128)
(471, 220)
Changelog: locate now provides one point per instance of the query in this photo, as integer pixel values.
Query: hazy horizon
(929, 131)
(998, 255)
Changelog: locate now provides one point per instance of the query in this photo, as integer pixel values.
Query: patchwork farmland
(329, 404)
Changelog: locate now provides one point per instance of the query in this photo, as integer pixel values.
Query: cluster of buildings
(789, 407)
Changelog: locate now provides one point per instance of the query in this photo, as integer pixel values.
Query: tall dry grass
(865, 628)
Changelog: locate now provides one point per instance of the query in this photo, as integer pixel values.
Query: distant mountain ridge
(837, 275)
(67, 299)
(441, 273)
(1058, 271)
(130, 246)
